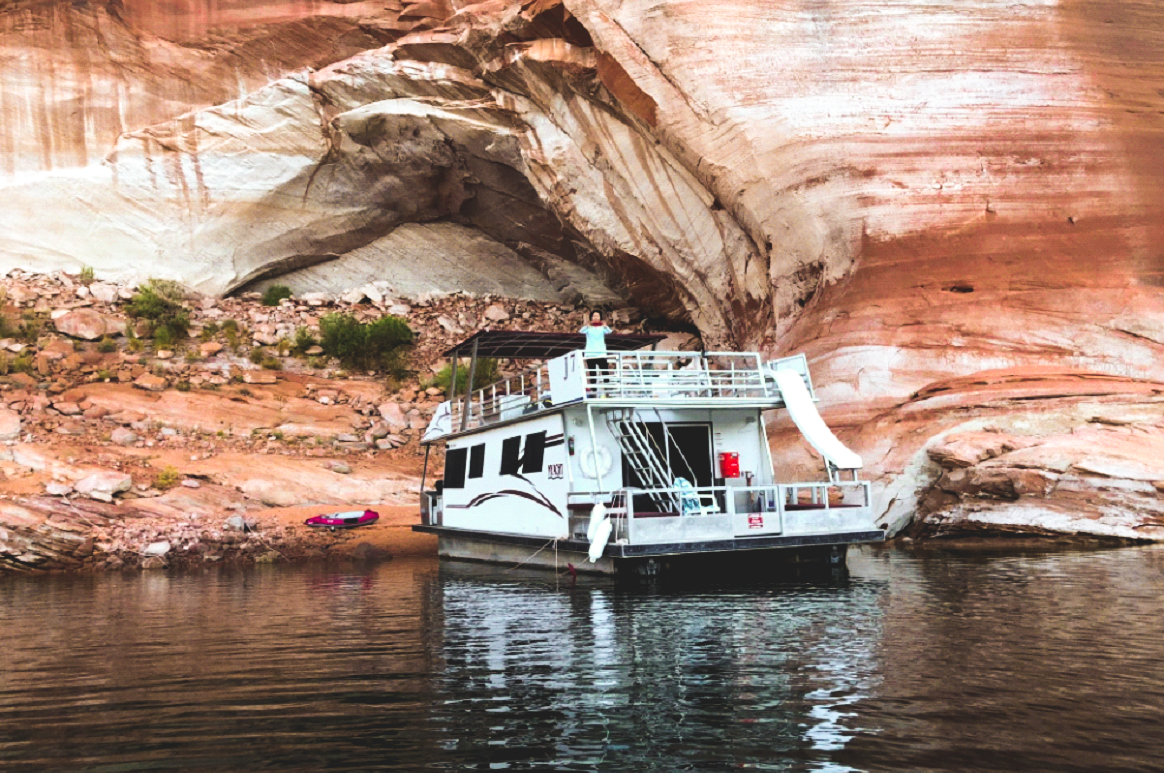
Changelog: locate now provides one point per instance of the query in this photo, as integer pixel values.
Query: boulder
(496, 313)
(103, 292)
(10, 425)
(150, 382)
(123, 437)
(270, 494)
(87, 324)
(239, 523)
(157, 549)
(103, 485)
(393, 416)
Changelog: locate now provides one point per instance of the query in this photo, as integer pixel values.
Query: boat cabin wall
(698, 437)
(511, 480)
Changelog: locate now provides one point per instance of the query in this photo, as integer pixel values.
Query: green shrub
(304, 340)
(487, 373)
(271, 363)
(107, 345)
(257, 355)
(208, 331)
(87, 275)
(23, 363)
(365, 346)
(275, 293)
(31, 326)
(231, 330)
(163, 337)
(106, 375)
(159, 302)
(183, 386)
(167, 478)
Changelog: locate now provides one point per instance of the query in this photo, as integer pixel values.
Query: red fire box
(729, 464)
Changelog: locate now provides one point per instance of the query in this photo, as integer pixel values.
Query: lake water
(915, 661)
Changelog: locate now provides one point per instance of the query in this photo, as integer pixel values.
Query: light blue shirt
(595, 339)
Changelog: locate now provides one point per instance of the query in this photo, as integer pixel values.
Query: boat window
(477, 461)
(535, 451)
(511, 455)
(455, 467)
(514, 460)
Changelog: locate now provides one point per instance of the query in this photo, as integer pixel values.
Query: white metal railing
(517, 395)
(663, 375)
(638, 375)
(767, 500)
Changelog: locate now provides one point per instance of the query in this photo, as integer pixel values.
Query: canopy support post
(469, 388)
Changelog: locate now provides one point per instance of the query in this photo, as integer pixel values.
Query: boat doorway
(684, 448)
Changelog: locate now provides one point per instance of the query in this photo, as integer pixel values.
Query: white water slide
(803, 412)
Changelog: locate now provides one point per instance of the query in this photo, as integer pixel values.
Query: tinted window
(477, 461)
(511, 455)
(535, 451)
(455, 467)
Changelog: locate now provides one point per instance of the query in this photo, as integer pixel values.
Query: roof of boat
(519, 344)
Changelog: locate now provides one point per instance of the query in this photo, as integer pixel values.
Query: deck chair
(690, 501)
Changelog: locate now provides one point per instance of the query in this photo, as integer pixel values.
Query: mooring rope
(534, 554)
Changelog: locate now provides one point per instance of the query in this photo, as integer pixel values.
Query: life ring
(596, 462)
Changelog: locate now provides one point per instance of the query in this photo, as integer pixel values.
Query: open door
(684, 449)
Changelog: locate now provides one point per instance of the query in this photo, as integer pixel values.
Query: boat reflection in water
(596, 674)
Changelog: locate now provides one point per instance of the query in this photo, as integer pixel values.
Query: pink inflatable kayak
(346, 520)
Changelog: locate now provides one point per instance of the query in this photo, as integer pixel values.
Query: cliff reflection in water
(615, 678)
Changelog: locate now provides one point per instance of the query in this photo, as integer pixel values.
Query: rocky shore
(115, 453)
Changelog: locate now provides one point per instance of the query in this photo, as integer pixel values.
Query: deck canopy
(517, 344)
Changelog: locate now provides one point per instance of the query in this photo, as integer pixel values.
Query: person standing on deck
(595, 353)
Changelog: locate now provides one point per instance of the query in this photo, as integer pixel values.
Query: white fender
(597, 513)
(596, 462)
(601, 535)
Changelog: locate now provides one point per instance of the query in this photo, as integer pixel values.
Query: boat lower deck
(617, 558)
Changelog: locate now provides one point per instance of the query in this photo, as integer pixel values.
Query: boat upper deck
(633, 376)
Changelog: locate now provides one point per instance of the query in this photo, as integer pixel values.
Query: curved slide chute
(804, 414)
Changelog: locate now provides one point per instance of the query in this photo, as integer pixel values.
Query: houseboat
(657, 462)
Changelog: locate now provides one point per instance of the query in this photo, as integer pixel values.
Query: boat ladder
(643, 455)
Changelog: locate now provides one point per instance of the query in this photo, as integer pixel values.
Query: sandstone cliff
(952, 207)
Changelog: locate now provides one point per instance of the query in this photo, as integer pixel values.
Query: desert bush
(167, 478)
(23, 363)
(487, 373)
(376, 345)
(86, 276)
(275, 293)
(271, 363)
(304, 340)
(107, 345)
(159, 302)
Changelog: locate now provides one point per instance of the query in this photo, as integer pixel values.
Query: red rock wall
(910, 193)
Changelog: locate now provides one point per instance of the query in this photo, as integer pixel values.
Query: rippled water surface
(912, 662)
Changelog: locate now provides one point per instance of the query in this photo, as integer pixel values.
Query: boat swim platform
(548, 553)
